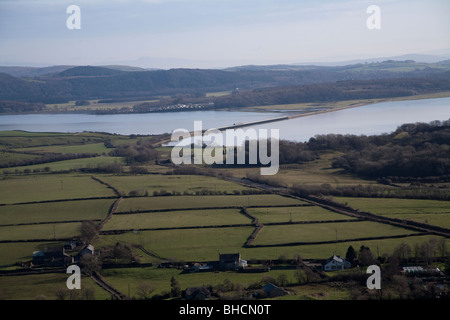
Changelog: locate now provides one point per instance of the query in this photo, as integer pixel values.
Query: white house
(336, 263)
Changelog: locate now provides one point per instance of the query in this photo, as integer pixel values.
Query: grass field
(40, 231)
(66, 165)
(160, 278)
(23, 139)
(55, 211)
(294, 214)
(271, 235)
(6, 158)
(178, 183)
(432, 212)
(314, 173)
(379, 247)
(13, 252)
(43, 287)
(30, 188)
(98, 148)
(94, 105)
(184, 244)
(176, 219)
(186, 202)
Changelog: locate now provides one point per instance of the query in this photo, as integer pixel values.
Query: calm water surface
(371, 119)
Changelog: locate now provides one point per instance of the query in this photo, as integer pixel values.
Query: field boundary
(302, 243)
(208, 208)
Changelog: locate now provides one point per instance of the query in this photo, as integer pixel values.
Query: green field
(98, 148)
(72, 164)
(432, 212)
(185, 244)
(317, 232)
(125, 279)
(13, 252)
(40, 231)
(186, 202)
(29, 188)
(179, 183)
(295, 214)
(23, 139)
(323, 251)
(44, 287)
(6, 157)
(311, 173)
(55, 211)
(176, 219)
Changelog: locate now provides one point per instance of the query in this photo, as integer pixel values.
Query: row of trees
(45, 158)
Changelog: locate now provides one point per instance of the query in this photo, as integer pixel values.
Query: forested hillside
(257, 85)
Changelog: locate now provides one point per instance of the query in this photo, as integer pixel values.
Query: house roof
(38, 253)
(336, 258)
(90, 247)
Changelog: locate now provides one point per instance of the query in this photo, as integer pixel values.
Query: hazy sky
(217, 33)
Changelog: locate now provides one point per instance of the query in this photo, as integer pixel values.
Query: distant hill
(123, 68)
(32, 71)
(64, 83)
(38, 72)
(89, 71)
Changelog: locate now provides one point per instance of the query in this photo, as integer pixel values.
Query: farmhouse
(336, 263)
(52, 257)
(231, 261)
(70, 245)
(89, 249)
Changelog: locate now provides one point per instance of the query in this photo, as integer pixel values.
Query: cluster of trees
(20, 107)
(421, 252)
(136, 153)
(295, 152)
(337, 91)
(122, 253)
(413, 150)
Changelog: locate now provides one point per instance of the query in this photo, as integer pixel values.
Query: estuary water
(371, 119)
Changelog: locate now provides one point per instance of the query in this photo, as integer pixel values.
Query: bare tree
(90, 264)
(144, 290)
(89, 231)
(403, 251)
(442, 248)
(300, 275)
(61, 293)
